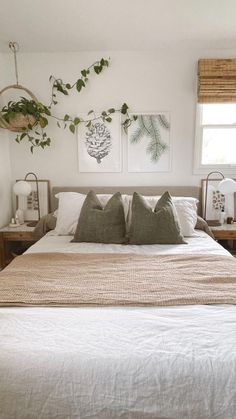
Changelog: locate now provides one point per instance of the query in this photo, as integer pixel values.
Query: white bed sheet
(110, 363)
(201, 243)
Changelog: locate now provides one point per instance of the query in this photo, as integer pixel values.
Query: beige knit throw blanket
(62, 279)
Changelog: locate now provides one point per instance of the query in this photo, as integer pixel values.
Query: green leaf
(66, 117)
(97, 69)
(124, 108)
(84, 73)
(43, 122)
(88, 124)
(76, 121)
(80, 84)
(72, 128)
(47, 111)
(59, 87)
(112, 110)
(126, 124)
(109, 119)
(68, 86)
(23, 136)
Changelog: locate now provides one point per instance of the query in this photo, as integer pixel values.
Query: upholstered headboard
(194, 191)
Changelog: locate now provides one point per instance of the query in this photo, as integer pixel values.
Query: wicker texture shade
(216, 80)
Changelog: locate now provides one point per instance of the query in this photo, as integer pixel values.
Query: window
(216, 116)
(216, 136)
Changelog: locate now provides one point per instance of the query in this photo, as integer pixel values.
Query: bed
(121, 361)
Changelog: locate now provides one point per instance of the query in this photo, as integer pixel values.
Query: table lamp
(22, 187)
(226, 186)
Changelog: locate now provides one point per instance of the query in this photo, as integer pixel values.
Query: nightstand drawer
(230, 234)
(224, 234)
(14, 242)
(19, 235)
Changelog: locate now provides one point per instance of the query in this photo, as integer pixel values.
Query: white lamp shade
(22, 188)
(227, 186)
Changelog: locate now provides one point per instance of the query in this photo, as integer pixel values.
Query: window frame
(200, 168)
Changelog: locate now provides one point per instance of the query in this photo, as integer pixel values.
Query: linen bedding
(119, 362)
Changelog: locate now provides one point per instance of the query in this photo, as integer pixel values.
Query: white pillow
(186, 208)
(69, 208)
(187, 214)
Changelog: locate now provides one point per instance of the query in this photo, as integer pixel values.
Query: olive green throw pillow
(101, 225)
(160, 226)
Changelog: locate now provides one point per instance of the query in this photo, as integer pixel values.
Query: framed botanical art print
(216, 201)
(99, 146)
(29, 204)
(149, 148)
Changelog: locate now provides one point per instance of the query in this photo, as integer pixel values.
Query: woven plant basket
(19, 122)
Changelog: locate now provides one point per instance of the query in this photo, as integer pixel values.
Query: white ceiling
(75, 25)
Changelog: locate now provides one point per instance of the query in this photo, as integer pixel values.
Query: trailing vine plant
(35, 132)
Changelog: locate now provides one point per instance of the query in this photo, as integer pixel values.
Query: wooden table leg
(2, 252)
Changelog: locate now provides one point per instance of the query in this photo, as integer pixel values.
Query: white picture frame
(94, 155)
(141, 154)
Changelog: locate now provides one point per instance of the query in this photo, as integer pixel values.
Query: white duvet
(129, 363)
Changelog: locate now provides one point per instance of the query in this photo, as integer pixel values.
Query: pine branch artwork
(150, 126)
(98, 141)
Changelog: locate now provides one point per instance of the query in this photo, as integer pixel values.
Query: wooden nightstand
(226, 232)
(14, 240)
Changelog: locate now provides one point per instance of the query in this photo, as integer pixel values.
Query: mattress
(119, 362)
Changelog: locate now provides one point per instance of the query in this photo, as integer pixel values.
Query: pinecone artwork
(98, 141)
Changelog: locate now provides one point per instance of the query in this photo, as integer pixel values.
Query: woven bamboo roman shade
(216, 80)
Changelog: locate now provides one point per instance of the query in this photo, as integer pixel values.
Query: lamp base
(32, 224)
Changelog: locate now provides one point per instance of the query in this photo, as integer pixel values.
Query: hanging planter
(17, 116)
(28, 117)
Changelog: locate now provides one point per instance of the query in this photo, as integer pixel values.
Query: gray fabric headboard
(194, 191)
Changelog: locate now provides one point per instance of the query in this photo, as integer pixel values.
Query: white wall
(164, 80)
(5, 169)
